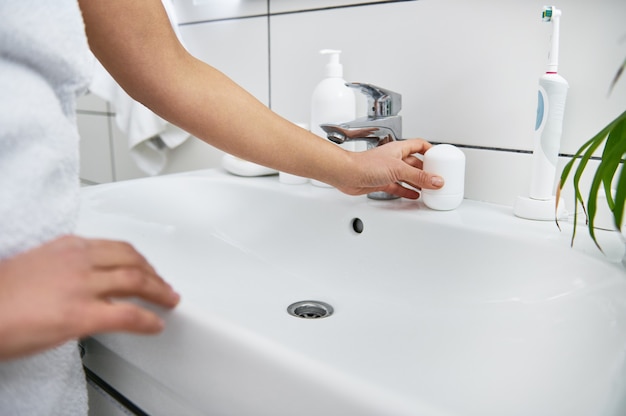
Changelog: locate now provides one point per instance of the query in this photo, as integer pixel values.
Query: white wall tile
(496, 176)
(202, 10)
(466, 74)
(593, 46)
(95, 148)
(451, 87)
(91, 102)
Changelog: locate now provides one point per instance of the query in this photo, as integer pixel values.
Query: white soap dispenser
(332, 101)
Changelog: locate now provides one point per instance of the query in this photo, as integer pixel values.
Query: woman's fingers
(120, 316)
(118, 270)
(414, 161)
(107, 254)
(123, 282)
(401, 191)
(412, 172)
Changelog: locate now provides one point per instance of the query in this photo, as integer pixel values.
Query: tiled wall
(467, 70)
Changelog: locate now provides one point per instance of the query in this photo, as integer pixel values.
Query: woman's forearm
(137, 45)
(147, 60)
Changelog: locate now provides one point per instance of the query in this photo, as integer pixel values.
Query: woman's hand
(69, 288)
(384, 168)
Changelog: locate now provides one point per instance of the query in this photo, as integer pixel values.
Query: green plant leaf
(613, 159)
(564, 175)
(620, 199)
(583, 155)
(582, 164)
(591, 208)
(604, 175)
(614, 148)
(612, 154)
(568, 167)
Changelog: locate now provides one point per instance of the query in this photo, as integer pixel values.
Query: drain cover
(310, 309)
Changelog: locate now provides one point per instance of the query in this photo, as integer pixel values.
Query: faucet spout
(375, 132)
(382, 124)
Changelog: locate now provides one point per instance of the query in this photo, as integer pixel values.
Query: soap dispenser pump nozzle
(333, 67)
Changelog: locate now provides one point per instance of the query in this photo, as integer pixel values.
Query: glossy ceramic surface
(466, 312)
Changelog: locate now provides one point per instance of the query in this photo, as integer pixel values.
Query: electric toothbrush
(552, 95)
(550, 109)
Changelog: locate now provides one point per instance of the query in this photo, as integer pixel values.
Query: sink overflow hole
(357, 225)
(310, 309)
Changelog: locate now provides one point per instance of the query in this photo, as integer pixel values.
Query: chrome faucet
(381, 125)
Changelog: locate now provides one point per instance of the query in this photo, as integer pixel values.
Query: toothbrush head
(546, 14)
(549, 13)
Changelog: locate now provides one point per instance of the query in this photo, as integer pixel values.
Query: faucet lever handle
(381, 102)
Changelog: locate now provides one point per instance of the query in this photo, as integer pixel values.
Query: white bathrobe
(44, 64)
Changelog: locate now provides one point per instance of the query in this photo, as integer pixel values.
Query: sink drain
(310, 309)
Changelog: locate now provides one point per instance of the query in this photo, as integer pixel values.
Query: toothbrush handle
(550, 110)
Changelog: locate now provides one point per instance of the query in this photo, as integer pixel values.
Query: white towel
(44, 63)
(150, 138)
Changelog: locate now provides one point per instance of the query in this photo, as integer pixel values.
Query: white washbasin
(467, 312)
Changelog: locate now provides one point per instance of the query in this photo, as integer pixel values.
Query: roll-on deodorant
(448, 162)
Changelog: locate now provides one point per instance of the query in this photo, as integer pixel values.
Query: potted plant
(607, 175)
